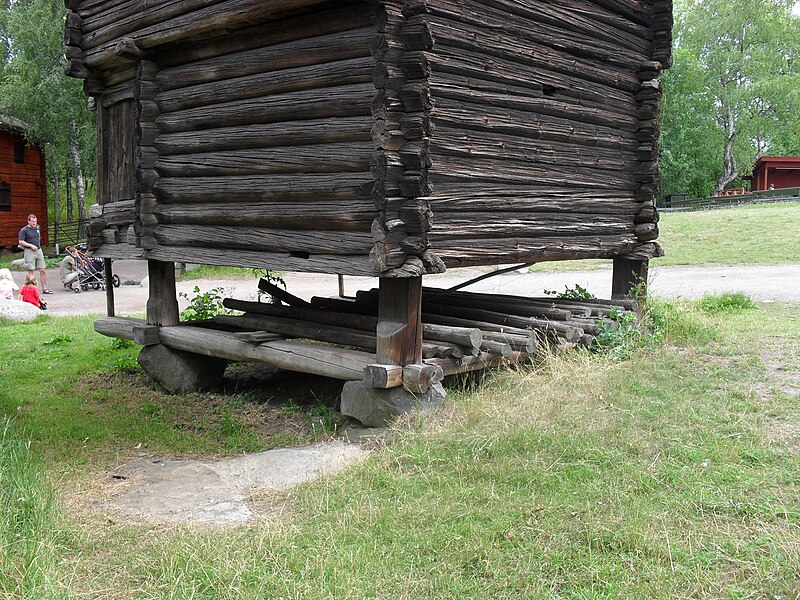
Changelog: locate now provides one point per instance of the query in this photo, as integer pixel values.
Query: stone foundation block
(181, 372)
(376, 407)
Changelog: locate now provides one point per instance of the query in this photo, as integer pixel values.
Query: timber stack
(386, 138)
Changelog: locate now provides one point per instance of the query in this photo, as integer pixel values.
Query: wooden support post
(162, 304)
(629, 279)
(109, 275)
(399, 328)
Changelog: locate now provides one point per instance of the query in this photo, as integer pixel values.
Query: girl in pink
(7, 285)
(30, 292)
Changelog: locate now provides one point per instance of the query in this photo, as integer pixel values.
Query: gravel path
(762, 283)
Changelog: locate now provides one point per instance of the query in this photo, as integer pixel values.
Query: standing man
(30, 241)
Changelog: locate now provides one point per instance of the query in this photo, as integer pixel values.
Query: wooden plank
(323, 214)
(268, 135)
(319, 263)
(318, 158)
(265, 240)
(399, 329)
(629, 279)
(162, 303)
(265, 188)
(341, 101)
(338, 363)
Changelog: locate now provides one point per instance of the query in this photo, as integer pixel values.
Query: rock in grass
(18, 311)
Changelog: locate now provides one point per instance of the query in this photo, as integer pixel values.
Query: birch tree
(748, 52)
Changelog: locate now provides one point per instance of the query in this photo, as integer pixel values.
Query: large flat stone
(375, 407)
(181, 372)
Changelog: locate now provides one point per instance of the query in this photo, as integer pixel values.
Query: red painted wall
(28, 188)
(779, 171)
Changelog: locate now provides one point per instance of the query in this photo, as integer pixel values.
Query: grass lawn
(765, 234)
(671, 473)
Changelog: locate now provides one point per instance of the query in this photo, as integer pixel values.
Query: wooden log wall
(318, 135)
(401, 133)
(261, 133)
(542, 127)
(252, 148)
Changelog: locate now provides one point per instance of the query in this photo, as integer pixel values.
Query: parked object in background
(90, 271)
(775, 172)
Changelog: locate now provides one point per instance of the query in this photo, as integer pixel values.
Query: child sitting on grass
(7, 285)
(30, 293)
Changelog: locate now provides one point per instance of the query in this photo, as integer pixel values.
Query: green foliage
(26, 519)
(33, 86)
(578, 292)
(120, 344)
(273, 278)
(726, 304)
(59, 340)
(732, 93)
(204, 305)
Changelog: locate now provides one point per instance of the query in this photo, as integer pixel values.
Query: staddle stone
(181, 372)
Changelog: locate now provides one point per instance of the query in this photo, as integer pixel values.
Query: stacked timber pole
(461, 331)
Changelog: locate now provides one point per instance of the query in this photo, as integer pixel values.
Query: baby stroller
(91, 272)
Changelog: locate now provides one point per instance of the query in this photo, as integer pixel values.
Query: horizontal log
(556, 25)
(341, 101)
(475, 363)
(153, 28)
(383, 376)
(264, 188)
(458, 141)
(510, 121)
(317, 158)
(264, 239)
(510, 304)
(339, 17)
(278, 60)
(525, 50)
(333, 215)
(270, 135)
(466, 89)
(486, 251)
(515, 224)
(314, 263)
(338, 363)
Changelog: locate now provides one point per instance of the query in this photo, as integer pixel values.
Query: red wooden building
(23, 188)
(776, 171)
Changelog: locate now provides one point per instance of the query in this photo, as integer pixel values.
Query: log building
(390, 138)
(23, 184)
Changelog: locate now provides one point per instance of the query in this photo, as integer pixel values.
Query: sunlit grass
(671, 474)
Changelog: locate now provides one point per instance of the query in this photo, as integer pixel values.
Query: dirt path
(762, 283)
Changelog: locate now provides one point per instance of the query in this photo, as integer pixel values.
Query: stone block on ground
(181, 372)
(376, 407)
(18, 311)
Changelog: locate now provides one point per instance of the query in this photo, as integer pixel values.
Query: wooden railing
(68, 233)
(726, 201)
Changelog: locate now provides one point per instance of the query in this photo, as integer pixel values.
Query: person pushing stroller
(68, 271)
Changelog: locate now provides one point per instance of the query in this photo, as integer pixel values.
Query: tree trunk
(79, 185)
(730, 169)
(70, 205)
(54, 175)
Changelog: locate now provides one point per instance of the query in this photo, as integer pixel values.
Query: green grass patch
(670, 473)
(765, 234)
(749, 235)
(215, 272)
(28, 531)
